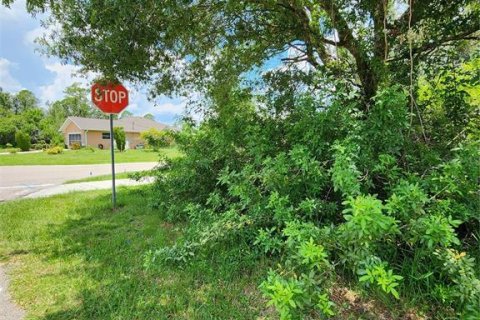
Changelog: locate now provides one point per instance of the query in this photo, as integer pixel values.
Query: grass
(71, 257)
(84, 156)
(121, 175)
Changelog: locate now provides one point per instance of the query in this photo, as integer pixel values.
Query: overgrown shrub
(158, 138)
(120, 138)
(360, 207)
(22, 140)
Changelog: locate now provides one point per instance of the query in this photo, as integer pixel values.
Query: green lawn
(85, 157)
(71, 257)
(121, 175)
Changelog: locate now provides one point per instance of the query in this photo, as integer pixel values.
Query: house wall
(94, 138)
(133, 139)
(72, 128)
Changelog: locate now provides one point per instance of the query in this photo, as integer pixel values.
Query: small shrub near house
(75, 146)
(156, 139)
(55, 150)
(13, 150)
(22, 140)
(120, 138)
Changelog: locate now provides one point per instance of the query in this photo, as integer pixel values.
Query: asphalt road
(19, 181)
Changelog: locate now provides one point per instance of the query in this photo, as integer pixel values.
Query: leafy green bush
(22, 140)
(12, 150)
(158, 138)
(120, 138)
(361, 206)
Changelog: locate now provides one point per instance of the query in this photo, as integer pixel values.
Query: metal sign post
(111, 98)
(112, 152)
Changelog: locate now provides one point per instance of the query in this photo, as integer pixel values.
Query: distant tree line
(21, 114)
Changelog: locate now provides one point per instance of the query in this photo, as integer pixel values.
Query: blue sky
(23, 67)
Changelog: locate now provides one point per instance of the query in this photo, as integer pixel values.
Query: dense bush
(157, 138)
(40, 146)
(369, 203)
(12, 150)
(22, 140)
(120, 138)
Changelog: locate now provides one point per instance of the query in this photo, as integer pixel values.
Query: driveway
(19, 181)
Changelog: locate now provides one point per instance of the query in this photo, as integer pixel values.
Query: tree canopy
(180, 44)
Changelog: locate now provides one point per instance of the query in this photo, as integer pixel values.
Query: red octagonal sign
(110, 98)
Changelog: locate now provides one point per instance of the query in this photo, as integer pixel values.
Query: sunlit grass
(71, 257)
(85, 156)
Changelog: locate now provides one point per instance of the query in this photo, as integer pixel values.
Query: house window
(105, 135)
(75, 138)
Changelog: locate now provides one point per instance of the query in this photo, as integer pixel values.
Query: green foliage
(268, 241)
(285, 295)
(312, 255)
(407, 201)
(22, 140)
(385, 279)
(13, 150)
(356, 207)
(365, 221)
(461, 270)
(435, 230)
(345, 174)
(149, 116)
(120, 138)
(157, 138)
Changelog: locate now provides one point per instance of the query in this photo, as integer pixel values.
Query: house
(96, 132)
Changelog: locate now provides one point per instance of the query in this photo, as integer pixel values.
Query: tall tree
(23, 101)
(149, 116)
(126, 114)
(6, 105)
(365, 42)
(74, 103)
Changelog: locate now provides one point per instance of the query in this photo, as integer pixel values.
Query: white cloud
(7, 81)
(65, 75)
(140, 105)
(168, 107)
(30, 37)
(44, 31)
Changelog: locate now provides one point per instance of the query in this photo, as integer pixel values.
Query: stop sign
(110, 98)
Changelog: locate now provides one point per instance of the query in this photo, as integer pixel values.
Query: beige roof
(130, 124)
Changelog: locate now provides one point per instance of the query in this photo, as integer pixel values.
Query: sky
(22, 66)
